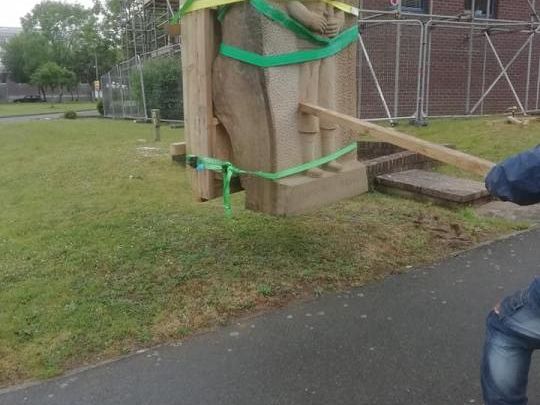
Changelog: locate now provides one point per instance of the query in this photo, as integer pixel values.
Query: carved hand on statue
(334, 24)
(315, 22)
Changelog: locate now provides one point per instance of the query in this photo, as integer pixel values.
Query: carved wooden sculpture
(318, 81)
(258, 106)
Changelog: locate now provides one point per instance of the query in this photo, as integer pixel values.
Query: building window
(412, 6)
(482, 8)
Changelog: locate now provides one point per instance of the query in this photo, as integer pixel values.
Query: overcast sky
(13, 10)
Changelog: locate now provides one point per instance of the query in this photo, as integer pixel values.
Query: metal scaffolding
(143, 25)
(412, 62)
(489, 53)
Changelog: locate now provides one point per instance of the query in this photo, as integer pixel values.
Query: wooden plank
(437, 152)
(198, 52)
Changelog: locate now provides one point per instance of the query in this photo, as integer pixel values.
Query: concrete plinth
(300, 194)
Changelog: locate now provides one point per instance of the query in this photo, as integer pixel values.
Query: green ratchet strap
(336, 45)
(229, 170)
(221, 11)
(326, 47)
(204, 4)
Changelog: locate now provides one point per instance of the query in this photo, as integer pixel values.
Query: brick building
(434, 56)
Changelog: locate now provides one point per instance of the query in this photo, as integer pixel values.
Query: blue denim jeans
(512, 335)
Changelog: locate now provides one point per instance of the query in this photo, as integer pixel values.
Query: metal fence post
(538, 86)
(529, 60)
(143, 92)
(112, 94)
(419, 85)
(528, 80)
(484, 69)
(359, 75)
(122, 91)
(469, 66)
(156, 121)
(427, 68)
(374, 75)
(397, 67)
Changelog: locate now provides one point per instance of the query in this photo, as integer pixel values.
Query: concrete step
(383, 158)
(435, 187)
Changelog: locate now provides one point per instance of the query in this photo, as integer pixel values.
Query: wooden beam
(178, 149)
(441, 153)
(198, 53)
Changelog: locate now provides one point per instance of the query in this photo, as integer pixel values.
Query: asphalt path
(415, 339)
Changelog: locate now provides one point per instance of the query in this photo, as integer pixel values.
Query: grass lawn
(13, 109)
(491, 138)
(102, 249)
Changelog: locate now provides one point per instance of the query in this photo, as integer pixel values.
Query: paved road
(55, 116)
(410, 339)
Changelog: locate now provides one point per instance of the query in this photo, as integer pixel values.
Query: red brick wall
(506, 9)
(448, 70)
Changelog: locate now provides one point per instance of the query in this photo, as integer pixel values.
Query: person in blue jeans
(513, 326)
(512, 334)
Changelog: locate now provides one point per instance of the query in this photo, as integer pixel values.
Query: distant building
(6, 33)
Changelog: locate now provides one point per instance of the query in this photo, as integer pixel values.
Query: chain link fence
(478, 70)
(389, 68)
(150, 81)
(406, 69)
(426, 68)
(120, 99)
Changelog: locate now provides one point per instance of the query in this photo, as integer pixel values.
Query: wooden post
(198, 53)
(438, 152)
(156, 120)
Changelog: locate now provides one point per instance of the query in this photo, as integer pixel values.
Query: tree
(71, 84)
(24, 53)
(79, 37)
(60, 23)
(112, 17)
(93, 53)
(57, 21)
(53, 77)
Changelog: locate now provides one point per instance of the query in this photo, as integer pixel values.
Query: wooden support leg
(198, 53)
(441, 153)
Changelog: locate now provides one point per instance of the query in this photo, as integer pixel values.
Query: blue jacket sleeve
(517, 179)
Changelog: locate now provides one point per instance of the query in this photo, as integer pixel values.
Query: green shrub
(100, 107)
(162, 86)
(70, 115)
